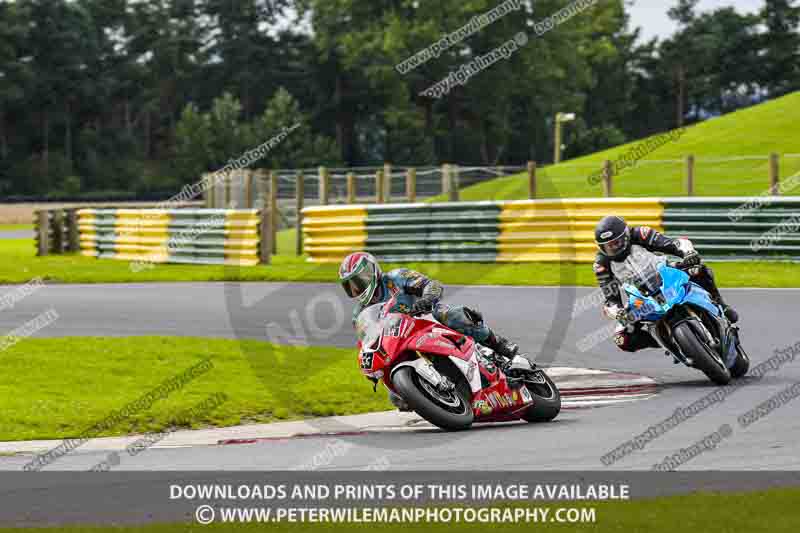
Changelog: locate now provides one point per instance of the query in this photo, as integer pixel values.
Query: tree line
(137, 98)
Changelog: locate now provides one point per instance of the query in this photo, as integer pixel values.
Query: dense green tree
(780, 65)
(145, 95)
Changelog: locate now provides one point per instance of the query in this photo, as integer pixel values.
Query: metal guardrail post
(532, 180)
(411, 185)
(300, 192)
(690, 175)
(774, 174)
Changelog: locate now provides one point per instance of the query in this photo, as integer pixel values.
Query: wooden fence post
(228, 179)
(445, 178)
(260, 188)
(532, 180)
(300, 197)
(387, 176)
(273, 209)
(209, 190)
(351, 188)
(453, 181)
(266, 248)
(324, 186)
(247, 183)
(411, 185)
(43, 232)
(774, 174)
(379, 182)
(608, 177)
(690, 175)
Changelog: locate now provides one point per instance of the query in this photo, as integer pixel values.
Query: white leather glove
(615, 312)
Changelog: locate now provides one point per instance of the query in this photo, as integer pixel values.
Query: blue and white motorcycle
(681, 316)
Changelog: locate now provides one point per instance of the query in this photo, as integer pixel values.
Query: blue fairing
(676, 288)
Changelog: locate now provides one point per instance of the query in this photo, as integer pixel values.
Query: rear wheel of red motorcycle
(546, 399)
(450, 411)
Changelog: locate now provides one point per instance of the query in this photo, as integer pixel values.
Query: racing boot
(706, 280)
(501, 346)
(504, 350)
(730, 313)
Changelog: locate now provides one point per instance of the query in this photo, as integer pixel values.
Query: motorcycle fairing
(677, 290)
(499, 402)
(493, 399)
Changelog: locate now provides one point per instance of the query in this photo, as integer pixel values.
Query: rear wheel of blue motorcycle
(703, 357)
(546, 400)
(742, 364)
(450, 411)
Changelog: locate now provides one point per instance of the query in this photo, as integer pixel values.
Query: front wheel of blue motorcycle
(704, 358)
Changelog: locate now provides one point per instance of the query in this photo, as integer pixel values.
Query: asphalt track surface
(532, 316)
(17, 234)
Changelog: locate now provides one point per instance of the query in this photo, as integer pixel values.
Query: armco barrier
(563, 230)
(726, 227)
(405, 232)
(535, 230)
(549, 230)
(197, 236)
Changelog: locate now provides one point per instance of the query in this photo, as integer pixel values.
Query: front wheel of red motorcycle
(546, 398)
(450, 411)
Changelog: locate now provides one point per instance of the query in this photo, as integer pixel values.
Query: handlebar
(680, 266)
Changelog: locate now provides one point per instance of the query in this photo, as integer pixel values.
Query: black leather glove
(691, 259)
(422, 306)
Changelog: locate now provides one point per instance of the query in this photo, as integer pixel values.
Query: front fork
(723, 347)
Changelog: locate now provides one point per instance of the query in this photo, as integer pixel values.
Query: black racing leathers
(653, 241)
(643, 236)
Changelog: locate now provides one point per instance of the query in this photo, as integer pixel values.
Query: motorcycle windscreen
(369, 327)
(641, 269)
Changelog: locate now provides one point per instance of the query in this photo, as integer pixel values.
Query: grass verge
(769, 510)
(19, 264)
(57, 388)
(661, 172)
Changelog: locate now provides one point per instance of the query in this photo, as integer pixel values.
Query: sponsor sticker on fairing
(526, 394)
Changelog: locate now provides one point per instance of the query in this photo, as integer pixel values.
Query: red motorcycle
(446, 377)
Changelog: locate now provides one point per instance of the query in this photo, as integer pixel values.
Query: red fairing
(404, 337)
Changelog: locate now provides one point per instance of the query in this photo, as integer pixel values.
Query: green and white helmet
(360, 275)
